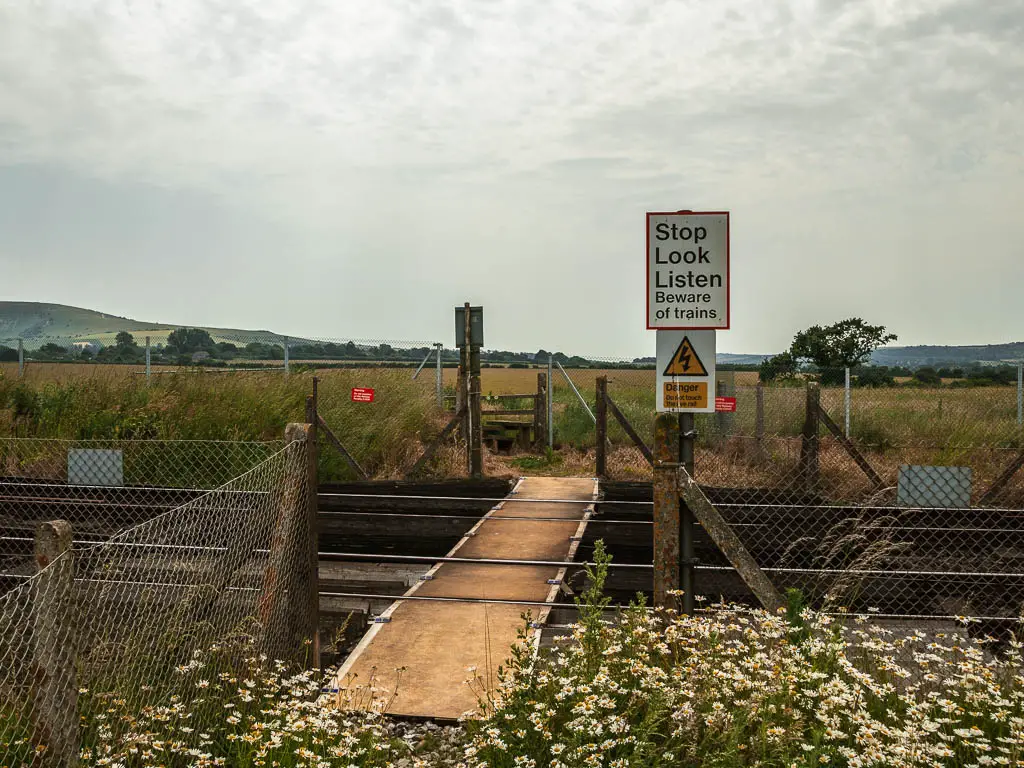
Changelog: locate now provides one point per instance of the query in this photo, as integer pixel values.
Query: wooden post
(289, 604)
(687, 524)
(476, 427)
(721, 417)
(666, 510)
(601, 414)
(809, 444)
(55, 687)
(728, 542)
(540, 412)
(759, 420)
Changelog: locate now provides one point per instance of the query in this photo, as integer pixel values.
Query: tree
(124, 340)
(185, 341)
(8, 355)
(781, 366)
(874, 376)
(844, 344)
(927, 376)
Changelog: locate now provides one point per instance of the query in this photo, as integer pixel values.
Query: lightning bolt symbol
(686, 360)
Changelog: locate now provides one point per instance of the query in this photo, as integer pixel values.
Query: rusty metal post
(601, 413)
(809, 444)
(666, 510)
(55, 686)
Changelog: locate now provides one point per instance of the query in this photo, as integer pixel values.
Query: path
(436, 642)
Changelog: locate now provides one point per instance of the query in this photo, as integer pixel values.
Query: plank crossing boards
(436, 642)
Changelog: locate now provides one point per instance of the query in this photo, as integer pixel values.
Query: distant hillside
(34, 321)
(939, 355)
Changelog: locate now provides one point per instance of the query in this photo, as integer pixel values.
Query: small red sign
(727, 404)
(362, 395)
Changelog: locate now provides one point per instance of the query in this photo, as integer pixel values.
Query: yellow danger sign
(686, 394)
(685, 362)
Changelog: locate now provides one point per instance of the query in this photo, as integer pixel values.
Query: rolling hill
(36, 323)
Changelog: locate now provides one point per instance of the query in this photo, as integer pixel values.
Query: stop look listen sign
(688, 270)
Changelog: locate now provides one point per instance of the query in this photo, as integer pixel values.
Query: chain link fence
(159, 621)
(103, 487)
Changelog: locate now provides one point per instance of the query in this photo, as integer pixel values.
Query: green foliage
(873, 376)
(8, 354)
(927, 376)
(189, 340)
(781, 366)
(846, 343)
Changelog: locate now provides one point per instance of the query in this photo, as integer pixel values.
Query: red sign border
(728, 273)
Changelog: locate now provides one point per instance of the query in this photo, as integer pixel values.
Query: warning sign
(685, 395)
(362, 395)
(685, 362)
(688, 270)
(686, 371)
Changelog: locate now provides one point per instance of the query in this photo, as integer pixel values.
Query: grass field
(970, 426)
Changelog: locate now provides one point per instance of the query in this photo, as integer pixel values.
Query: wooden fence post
(721, 417)
(601, 414)
(540, 411)
(666, 509)
(476, 427)
(290, 600)
(759, 420)
(55, 687)
(809, 443)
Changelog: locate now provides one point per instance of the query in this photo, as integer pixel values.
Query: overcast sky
(355, 169)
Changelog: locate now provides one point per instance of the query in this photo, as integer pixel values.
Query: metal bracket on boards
(554, 582)
(381, 620)
(427, 577)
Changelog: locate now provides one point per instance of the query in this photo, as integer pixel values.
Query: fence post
(601, 407)
(666, 509)
(720, 416)
(846, 403)
(55, 687)
(551, 406)
(289, 602)
(809, 443)
(759, 418)
(149, 367)
(540, 411)
(1020, 394)
(21, 358)
(287, 366)
(476, 427)
(439, 378)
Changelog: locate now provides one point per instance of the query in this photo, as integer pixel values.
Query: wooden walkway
(436, 643)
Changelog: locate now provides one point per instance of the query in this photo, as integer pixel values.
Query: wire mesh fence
(153, 621)
(103, 487)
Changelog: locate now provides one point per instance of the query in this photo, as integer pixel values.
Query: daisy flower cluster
(735, 686)
(226, 709)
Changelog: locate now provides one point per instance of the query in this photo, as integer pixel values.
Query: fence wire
(152, 622)
(103, 487)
